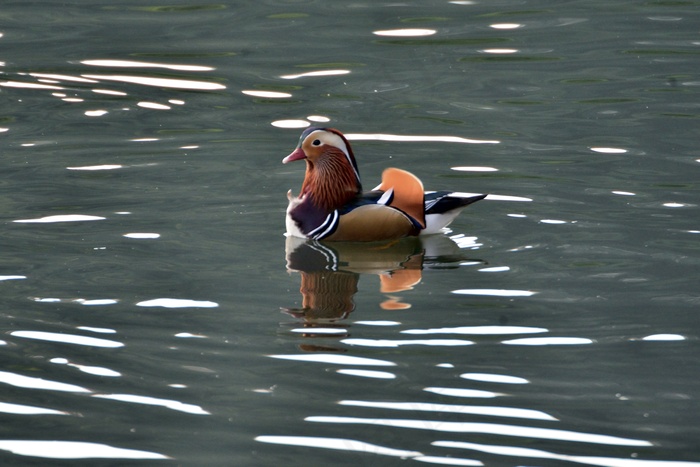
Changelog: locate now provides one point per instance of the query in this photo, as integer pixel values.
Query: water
(152, 308)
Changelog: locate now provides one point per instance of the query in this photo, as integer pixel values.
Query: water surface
(154, 312)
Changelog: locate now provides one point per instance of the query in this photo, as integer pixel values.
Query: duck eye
(316, 142)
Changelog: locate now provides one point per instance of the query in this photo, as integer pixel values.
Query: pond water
(154, 313)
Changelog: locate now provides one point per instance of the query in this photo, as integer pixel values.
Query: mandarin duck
(332, 206)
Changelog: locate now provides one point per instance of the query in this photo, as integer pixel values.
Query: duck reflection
(330, 272)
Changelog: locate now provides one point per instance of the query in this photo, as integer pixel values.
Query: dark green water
(158, 320)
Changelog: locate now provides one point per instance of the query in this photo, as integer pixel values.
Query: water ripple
(367, 373)
(491, 378)
(12, 278)
(170, 404)
(664, 337)
(549, 341)
(92, 370)
(405, 32)
(415, 138)
(478, 330)
(73, 450)
(540, 454)
(447, 460)
(266, 94)
(461, 392)
(60, 218)
(160, 82)
(496, 292)
(336, 443)
(397, 343)
(316, 73)
(135, 64)
(67, 339)
(335, 359)
(177, 303)
(97, 167)
(31, 382)
(493, 411)
(486, 428)
(18, 409)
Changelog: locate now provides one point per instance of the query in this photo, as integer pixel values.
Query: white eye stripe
(331, 139)
(328, 138)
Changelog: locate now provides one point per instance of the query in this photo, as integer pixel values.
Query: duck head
(332, 178)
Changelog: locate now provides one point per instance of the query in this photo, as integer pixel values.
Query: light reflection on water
(388, 343)
(367, 373)
(67, 338)
(147, 400)
(60, 218)
(311, 74)
(336, 443)
(463, 392)
(415, 138)
(92, 370)
(486, 377)
(529, 453)
(28, 410)
(74, 450)
(487, 428)
(309, 258)
(575, 339)
(21, 381)
(136, 64)
(490, 411)
(335, 359)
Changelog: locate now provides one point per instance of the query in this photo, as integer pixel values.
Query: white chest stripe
(326, 228)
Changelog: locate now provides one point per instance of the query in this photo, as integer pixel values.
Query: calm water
(153, 312)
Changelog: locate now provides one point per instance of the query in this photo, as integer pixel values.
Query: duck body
(332, 205)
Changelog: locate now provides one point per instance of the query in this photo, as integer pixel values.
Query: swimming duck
(332, 206)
